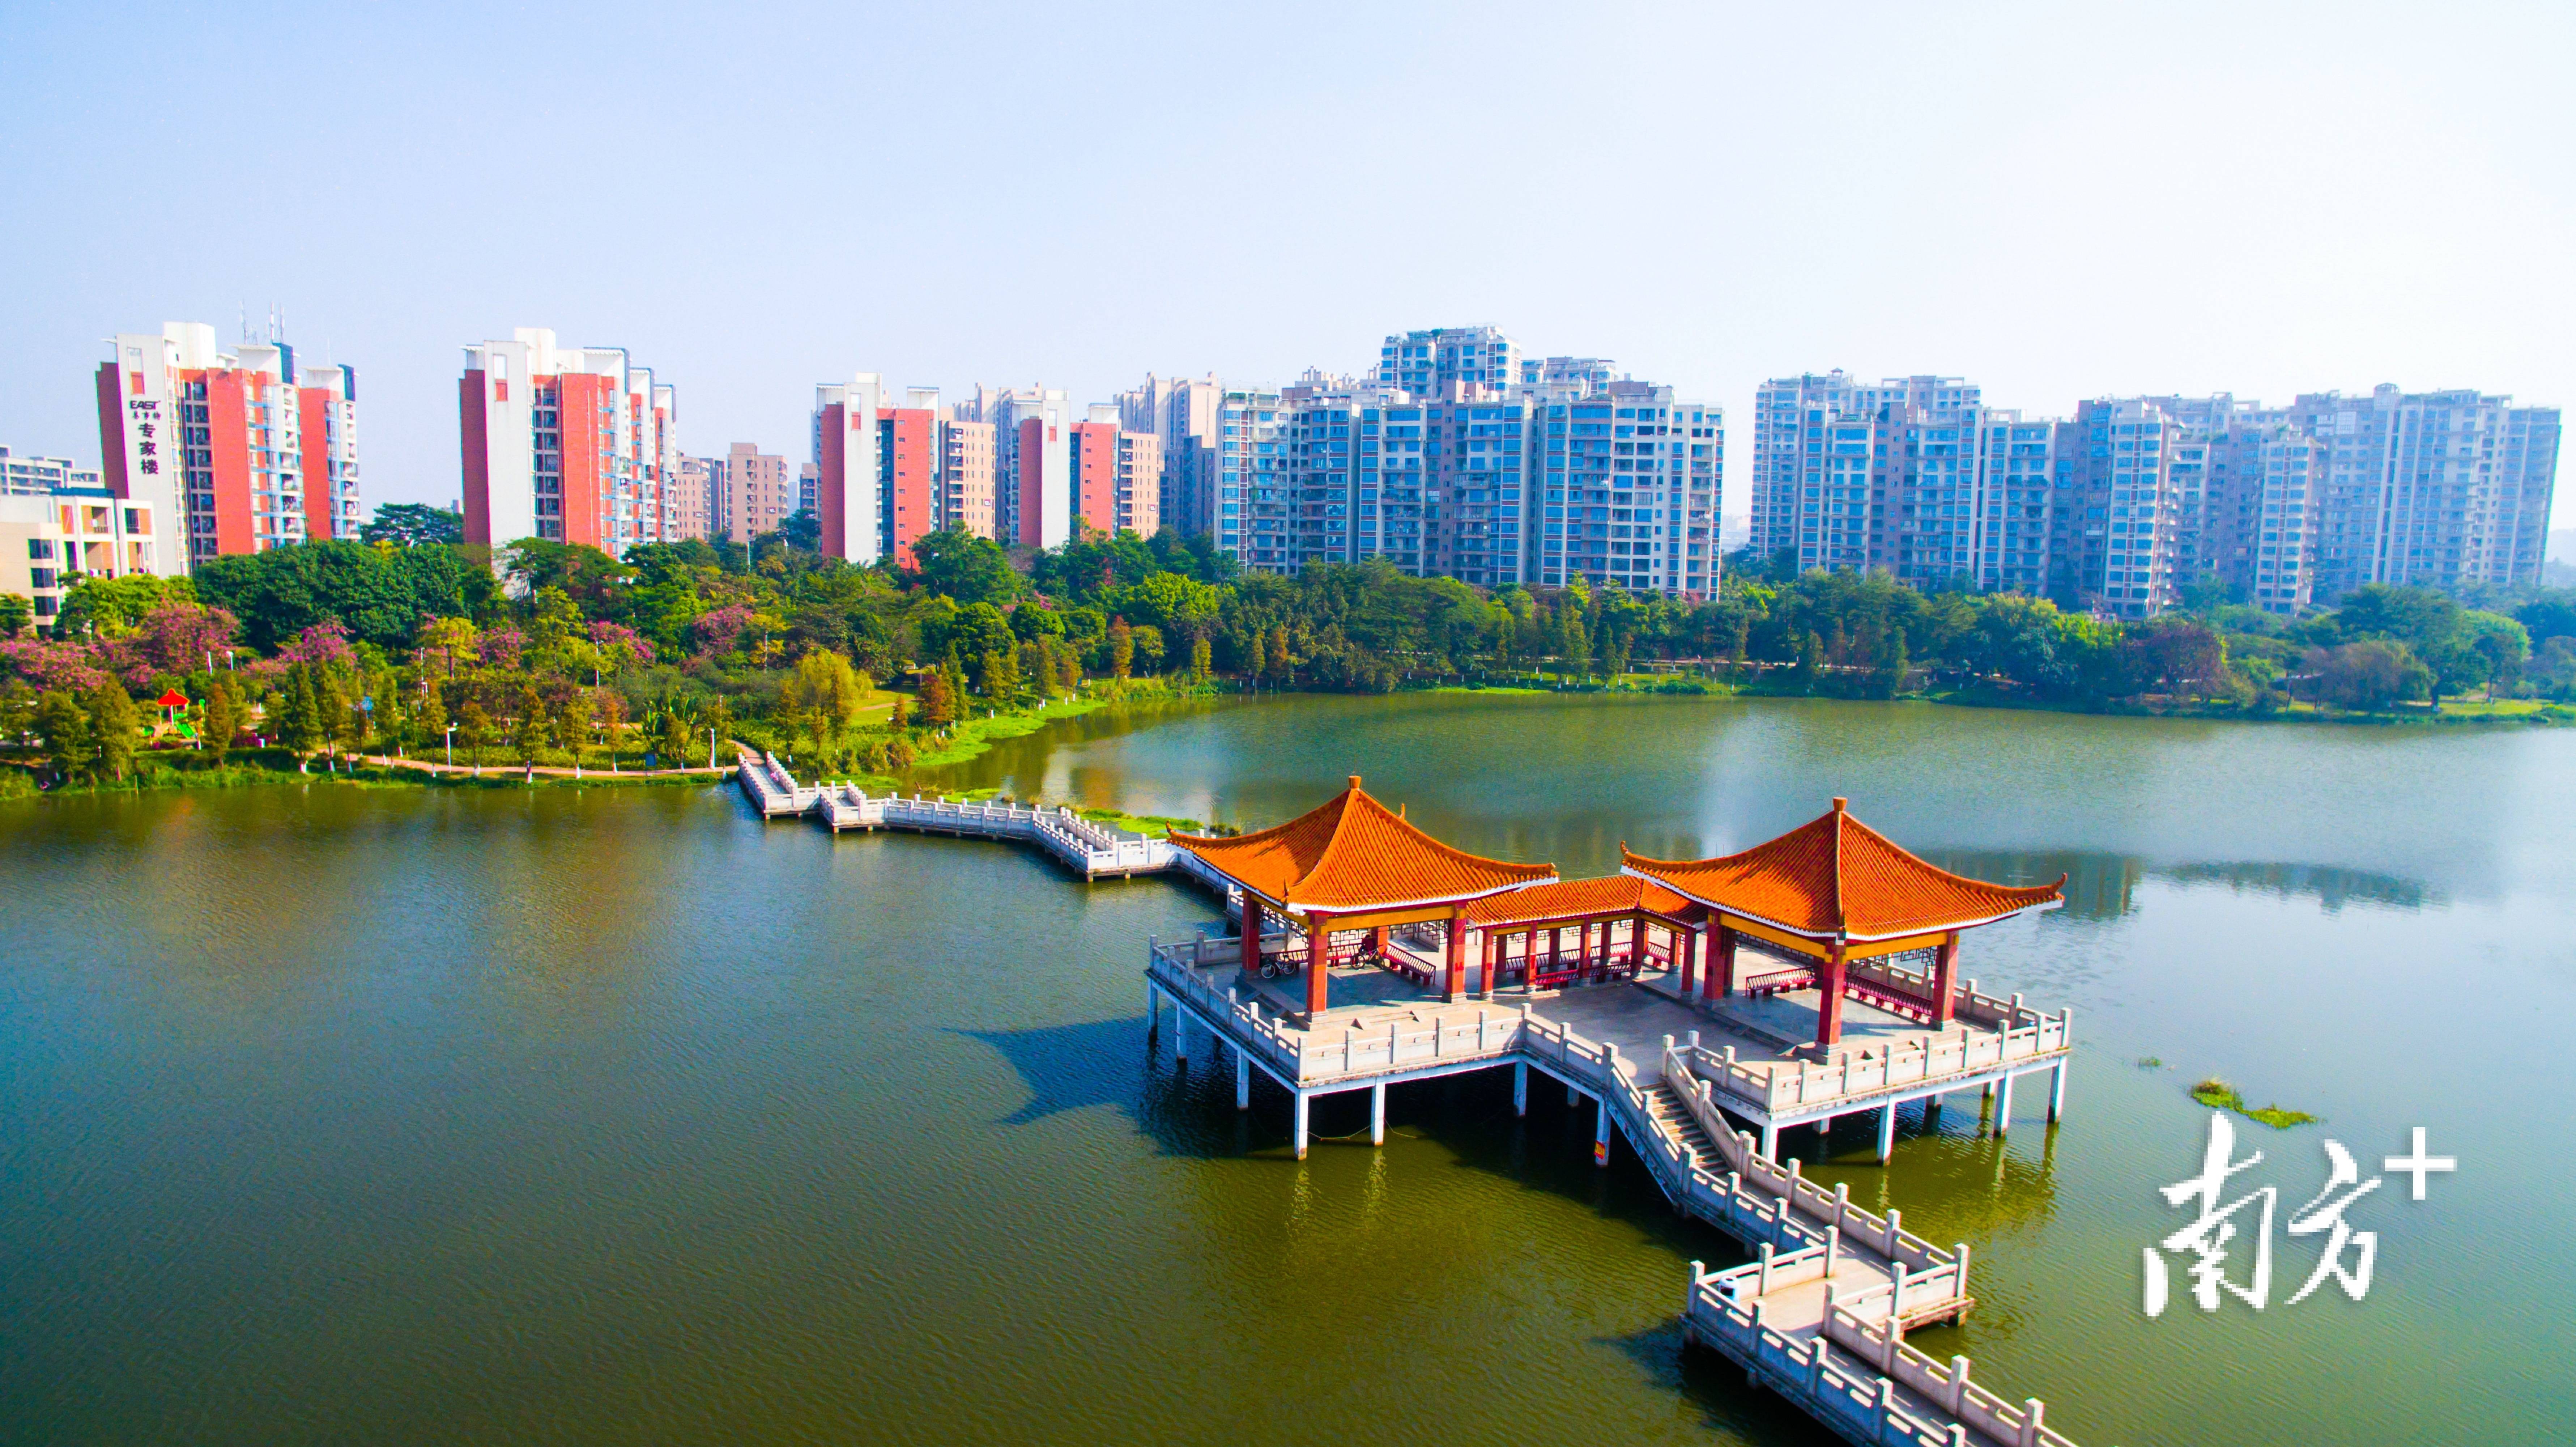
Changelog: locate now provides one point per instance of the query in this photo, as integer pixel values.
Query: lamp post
(451, 746)
(711, 748)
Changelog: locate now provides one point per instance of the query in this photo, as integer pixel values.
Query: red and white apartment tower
(877, 484)
(568, 444)
(236, 451)
(1117, 476)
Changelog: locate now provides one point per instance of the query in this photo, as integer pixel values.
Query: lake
(589, 1115)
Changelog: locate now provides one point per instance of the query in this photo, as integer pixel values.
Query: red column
(1319, 937)
(1829, 996)
(1251, 935)
(1721, 970)
(1377, 942)
(1945, 971)
(1686, 959)
(1454, 951)
(1493, 962)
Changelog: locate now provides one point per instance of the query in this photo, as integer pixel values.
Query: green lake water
(331, 1114)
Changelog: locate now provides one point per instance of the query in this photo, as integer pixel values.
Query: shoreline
(2477, 713)
(972, 738)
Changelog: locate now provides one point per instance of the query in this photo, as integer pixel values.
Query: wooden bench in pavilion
(1525, 931)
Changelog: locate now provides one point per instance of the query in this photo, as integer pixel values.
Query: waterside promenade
(1078, 844)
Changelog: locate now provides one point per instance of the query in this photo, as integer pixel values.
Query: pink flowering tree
(717, 630)
(321, 643)
(501, 648)
(71, 667)
(179, 637)
(620, 645)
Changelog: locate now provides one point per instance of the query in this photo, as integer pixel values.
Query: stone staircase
(1674, 1119)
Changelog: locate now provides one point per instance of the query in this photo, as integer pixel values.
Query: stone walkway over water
(1820, 1315)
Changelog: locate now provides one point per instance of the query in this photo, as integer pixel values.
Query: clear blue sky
(2056, 201)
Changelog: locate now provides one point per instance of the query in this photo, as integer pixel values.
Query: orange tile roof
(1576, 899)
(1837, 875)
(1354, 853)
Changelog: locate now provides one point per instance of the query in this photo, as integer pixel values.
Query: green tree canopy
(413, 525)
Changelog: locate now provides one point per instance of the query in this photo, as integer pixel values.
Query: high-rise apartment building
(2010, 504)
(1633, 484)
(848, 507)
(1251, 499)
(1031, 436)
(754, 492)
(2124, 524)
(36, 476)
(908, 456)
(2433, 489)
(1457, 457)
(237, 450)
(1428, 363)
(1830, 461)
(1117, 475)
(1572, 375)
(567, 444)
(966, 477)
(1183, 414)
(689, 499)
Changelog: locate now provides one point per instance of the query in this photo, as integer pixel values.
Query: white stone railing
(1855, 1393)
(1788, 1085)
(1078, 841)
(1834, 1216)
(1877, 1337)
(1280, 1046)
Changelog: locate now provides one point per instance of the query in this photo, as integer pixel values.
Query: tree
(2368, 674)
(1889, 679)
(529, 739)
(70, 745)
(1200, 656)
(1029, 622)
(218, 719)
(571, 719)
(475, 725)
(299, 720)
(446, 643)
(999, 671)
(335, 708)
(429, 715)
(15, 614)
(802, 531)
(827, 693)
(958, 564)
(608, 708)
(938, 704)
(413, 525)
(114, 607)
(114, 722)
(672, 742)
(1811, 659)
(1122, 648)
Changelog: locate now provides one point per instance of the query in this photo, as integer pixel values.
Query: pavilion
(1831, 894)
(1352, 864)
